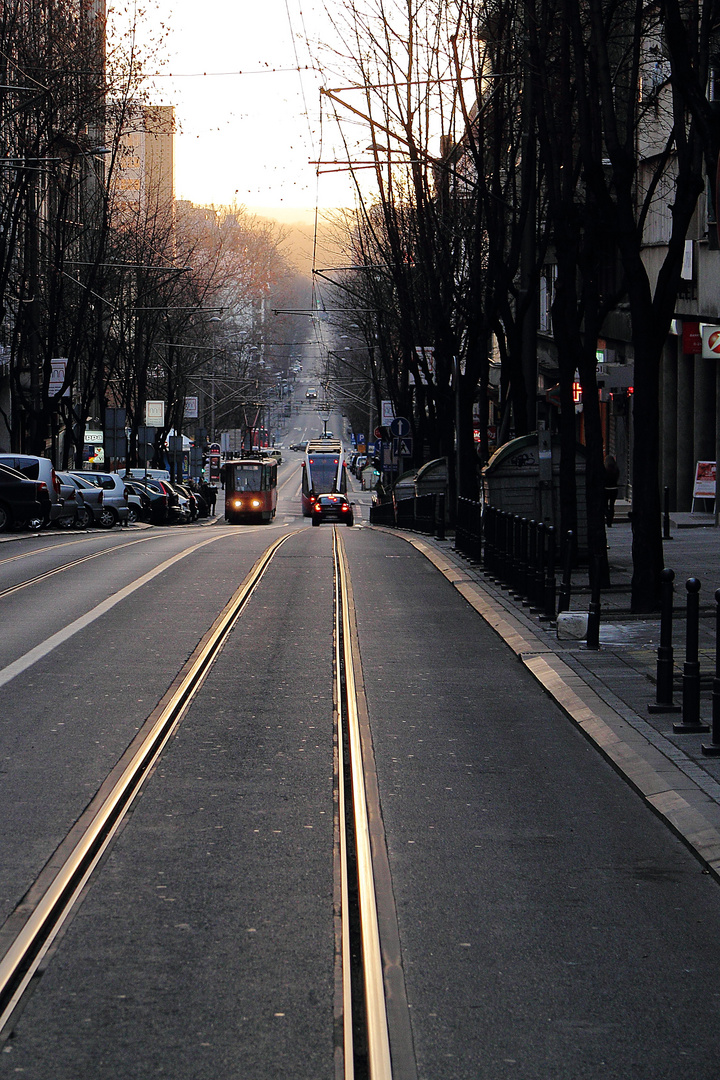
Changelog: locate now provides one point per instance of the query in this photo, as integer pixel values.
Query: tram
(250, 490)
(323, 471)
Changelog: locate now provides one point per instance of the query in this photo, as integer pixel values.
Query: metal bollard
(712, 749)
(592, 641)
(487, 526)
(440, 515)
(539, 590)
(566, 587)
(691, 669)
(509, 574)
(664, 678)
(503, 547)
(531, 558)
(523, 561)
(512, 581)
(550, 584)
(666, 513)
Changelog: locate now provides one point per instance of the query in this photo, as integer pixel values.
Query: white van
(138, 474)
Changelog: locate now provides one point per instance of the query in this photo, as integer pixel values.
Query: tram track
(30, 931)
(365, 1037)
(371, 998)
(47, 574)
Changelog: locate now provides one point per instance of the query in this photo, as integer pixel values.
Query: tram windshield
(245, 477)
(324, 469)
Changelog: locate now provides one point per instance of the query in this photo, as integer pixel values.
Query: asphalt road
(550, 926)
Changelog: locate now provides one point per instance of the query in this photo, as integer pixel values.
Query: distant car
(333, 507)
(311, 392)
(22, 501)
(273, 452)
(184, 492)
(140, 474)
(299, 445)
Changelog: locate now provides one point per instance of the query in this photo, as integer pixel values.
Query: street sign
(405, 447)
(400, 427)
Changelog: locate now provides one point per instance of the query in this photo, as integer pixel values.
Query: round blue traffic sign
(399, 427)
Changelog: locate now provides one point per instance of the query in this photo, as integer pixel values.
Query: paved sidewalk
(607, 692)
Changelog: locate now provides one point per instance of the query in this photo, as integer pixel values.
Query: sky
(248, 138)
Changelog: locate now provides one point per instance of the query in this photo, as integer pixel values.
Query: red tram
(250, 490)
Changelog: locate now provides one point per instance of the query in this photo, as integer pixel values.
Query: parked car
(177, 510)
(22, 501)
(333, 507)
(135, 506)
(359, 464)
(41, 468)
(140, 474)
(273, 452)
(183, 509)
(202, 494)
(115, 503)
(186, 492)
(90, 499)
(72, 495)
(154, 501)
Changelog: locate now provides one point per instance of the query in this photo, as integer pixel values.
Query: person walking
(209, 493)
(612, 477)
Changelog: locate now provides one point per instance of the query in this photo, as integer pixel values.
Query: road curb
(668, 791)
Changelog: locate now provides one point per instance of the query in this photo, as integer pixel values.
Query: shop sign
(691, 338)
(710, 342)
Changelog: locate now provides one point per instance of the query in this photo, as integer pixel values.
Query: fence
(423, 513)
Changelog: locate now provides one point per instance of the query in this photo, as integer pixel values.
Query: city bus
(323, 471)
(250, 490)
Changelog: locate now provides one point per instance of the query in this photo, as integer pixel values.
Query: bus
(323, 471)
(250, 490)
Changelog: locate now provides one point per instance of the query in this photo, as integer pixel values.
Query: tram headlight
(255, 504)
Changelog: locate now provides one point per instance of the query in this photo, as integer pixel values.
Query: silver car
(115, 500)
(90, 501)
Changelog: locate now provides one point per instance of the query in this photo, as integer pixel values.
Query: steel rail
(347, 1009)
(379, 1061)
(27, 949)
(47, 574)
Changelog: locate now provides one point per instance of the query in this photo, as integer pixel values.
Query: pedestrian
(209, 493)
(612, 477)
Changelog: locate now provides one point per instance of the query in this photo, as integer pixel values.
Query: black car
(334, 507)
(153, 498)
(22, 501)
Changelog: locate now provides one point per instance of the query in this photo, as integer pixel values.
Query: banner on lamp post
(155, 414)
(58, 367)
